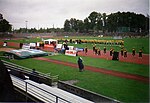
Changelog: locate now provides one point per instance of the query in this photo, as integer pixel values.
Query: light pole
(12, 28)
(103, 24)
(26, 26)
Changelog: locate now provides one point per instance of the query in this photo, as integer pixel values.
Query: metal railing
(36, 91)
(28, 71)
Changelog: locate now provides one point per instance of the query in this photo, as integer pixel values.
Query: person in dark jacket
(140, 53)
(80, 64)
(86, 50)
(133, 52)
(111, 52)
(94, 46)
(125, 53)
(34, 76)
(98, 51)
(104, 50)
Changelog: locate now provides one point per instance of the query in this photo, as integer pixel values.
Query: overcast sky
(45, 13)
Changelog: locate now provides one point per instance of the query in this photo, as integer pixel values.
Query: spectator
(21, 44)
(21, 75)
(5, 44)
(80, 64)
(34, 76)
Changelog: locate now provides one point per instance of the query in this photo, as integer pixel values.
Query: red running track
(99, 70)
(132, 59)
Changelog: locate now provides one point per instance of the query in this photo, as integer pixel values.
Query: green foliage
(96, 22)
(67, 26)
(5, 26)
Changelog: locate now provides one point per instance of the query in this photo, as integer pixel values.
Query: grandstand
(45, 93)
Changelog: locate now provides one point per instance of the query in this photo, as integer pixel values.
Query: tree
(73, 24)
(67, 25)
(86, 24)
(114, 22)
(4, 26)
(99, 21)
(80, 26)
(93, 19)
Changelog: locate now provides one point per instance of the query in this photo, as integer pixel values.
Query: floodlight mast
(26, 26)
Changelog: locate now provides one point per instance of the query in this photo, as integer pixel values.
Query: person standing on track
(80, 64)
(94, 46)
(98, 51)
(86, 50)
(104, 50)
(122, 51)
(140, 53)
(133, 52)
(125, 53)
(111, 51)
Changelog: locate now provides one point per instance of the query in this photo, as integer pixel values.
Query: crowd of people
(123, 51)
(97, 51)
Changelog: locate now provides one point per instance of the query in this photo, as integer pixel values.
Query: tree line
(96, 22)
(114, 22)
(41, 30)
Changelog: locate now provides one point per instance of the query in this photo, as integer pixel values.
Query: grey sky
(45, 13)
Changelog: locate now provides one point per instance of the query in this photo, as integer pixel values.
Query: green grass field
(130, 68)
(124, 90)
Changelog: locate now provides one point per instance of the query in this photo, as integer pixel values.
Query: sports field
(122, 89)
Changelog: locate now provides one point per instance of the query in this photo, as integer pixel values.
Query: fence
(96, 98)
(41, 77)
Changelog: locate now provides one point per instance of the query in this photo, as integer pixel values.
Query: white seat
(46, 93)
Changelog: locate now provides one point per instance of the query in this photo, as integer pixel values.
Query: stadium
(101, 74)
(103, 58)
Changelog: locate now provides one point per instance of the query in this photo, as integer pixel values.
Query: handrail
(34, 92)
(57, 97)
(18, 67)
(25, 68)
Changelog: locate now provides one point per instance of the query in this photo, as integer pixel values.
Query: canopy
(50, 40)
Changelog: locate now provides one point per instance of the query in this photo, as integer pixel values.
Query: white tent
(49, 41)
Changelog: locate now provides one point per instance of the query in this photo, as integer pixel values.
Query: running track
(99, 70)
(131, 59)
